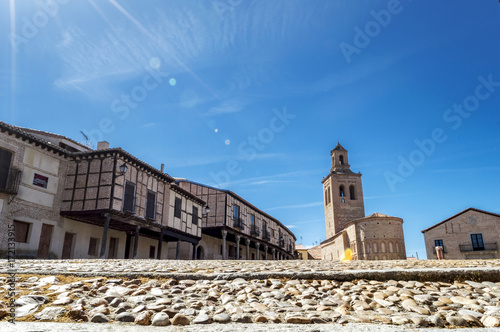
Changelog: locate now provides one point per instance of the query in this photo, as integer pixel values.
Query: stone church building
(375, 237)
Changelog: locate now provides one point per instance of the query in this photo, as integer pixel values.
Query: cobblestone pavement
(255, 293)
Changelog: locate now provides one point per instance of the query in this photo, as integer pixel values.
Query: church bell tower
(343, 193)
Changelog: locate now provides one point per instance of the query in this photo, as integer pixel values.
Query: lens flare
(347, 255)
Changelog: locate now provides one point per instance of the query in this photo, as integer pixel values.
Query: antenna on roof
(87, 141)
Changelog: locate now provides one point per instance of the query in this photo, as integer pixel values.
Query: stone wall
(458, 230)
(380, 238)
(33, 204)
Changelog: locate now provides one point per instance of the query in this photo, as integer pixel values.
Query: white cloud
(228, 106)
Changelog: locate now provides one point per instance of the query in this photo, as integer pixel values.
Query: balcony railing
(486, 246)
(13, 180)
(254, 231)
(266, 235)
(238, 223)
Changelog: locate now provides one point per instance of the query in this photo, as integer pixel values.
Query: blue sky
(253, 95)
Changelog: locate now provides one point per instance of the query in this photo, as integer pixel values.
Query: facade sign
(40, 181)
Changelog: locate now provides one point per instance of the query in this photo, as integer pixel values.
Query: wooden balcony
(238, 223)
(12, 184)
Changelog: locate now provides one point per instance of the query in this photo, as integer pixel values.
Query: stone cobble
(231, 266)
(46, 296)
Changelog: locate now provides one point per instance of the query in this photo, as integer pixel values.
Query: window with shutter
(5, 158)
(177, 207)
(151, 205)
(195, 215)
(129, 199)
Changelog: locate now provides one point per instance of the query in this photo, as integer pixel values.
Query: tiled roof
(19, 132)
(26, 135)
(375, 215)
(46, 133)
(339, 147)
(314, 252)
(242, 200)
(461, 212)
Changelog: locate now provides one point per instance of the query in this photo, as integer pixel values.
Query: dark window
(341, 160)
(152, 250)
(151, 205)
(352, 192)
(22, 230)
(177, 207)
(93, 246)
(195, 215)
(438, 243)
(5, 158)
(477, 241)
(236, 212)
(129, 199)
(67, 147)
(341, 191)
(265, 233)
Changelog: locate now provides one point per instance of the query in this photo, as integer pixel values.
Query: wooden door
(113, 244)
(45, 239)
(67, 246)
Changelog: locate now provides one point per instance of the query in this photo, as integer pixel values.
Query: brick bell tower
(342, 193)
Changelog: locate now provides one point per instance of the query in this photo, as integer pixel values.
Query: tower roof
(339, 147)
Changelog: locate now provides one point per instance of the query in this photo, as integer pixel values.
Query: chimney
(102, 145)
(162, 168)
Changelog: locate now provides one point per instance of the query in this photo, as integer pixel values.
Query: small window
(152, 250)
(352, 192)
(341, 160)
(129, 199)
(93, 244)
(67, 147)
(177, 207)
(151, 205)
(195, 215)
(341, 191)
(253, 226)
(438, 243)
(342, 200)
(236, 212)
(21, 229)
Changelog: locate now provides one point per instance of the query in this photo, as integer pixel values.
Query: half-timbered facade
(236, 229)
(68, 201)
